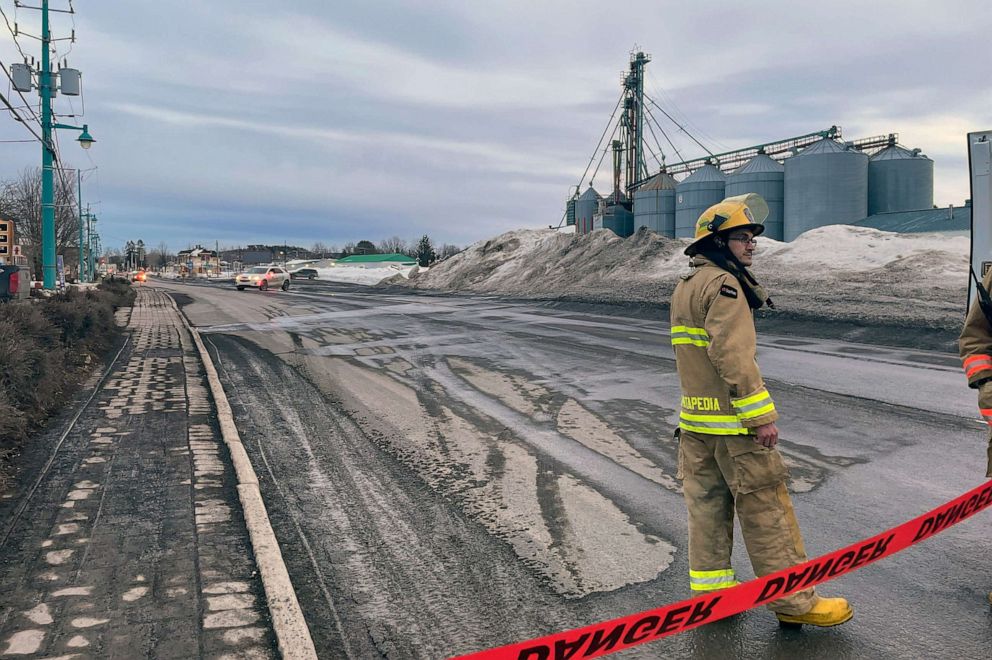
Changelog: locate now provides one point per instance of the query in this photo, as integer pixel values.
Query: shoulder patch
(727, 290)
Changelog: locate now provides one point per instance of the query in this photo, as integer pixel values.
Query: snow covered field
(366, 276)
(838, 272)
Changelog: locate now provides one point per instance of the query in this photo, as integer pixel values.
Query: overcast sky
(263, 121)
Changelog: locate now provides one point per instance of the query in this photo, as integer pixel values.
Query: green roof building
(377, 260)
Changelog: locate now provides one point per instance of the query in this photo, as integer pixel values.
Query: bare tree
(448, 250)
(20, 201)
(159, 256)
(393, 245)
(319, 249)
(349, 248)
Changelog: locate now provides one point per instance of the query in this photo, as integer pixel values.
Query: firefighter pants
(988, 471)
(727, 474)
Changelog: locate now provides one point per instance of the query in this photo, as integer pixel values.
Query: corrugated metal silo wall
(585, 209)
(771, 186)
(900, 184)
(619, 220)
(824, 189)
(691, 199)
(655, 209)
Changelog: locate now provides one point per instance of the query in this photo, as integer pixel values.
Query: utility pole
(93, 242)
(47, 151)
(47, 87)
(79, 196)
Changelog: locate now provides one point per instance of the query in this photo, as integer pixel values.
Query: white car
(263, 277)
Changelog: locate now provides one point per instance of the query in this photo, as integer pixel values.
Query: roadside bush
(46, 348)
(122, 295)
(86, 321)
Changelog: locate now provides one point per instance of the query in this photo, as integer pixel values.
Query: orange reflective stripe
(987, 414)
(978, 366)
(971, 358)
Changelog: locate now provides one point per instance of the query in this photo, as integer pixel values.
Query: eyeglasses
(743, 239)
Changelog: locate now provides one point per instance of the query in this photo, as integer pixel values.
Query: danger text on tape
(618, 634)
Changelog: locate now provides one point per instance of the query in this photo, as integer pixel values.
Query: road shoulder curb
(292, 633)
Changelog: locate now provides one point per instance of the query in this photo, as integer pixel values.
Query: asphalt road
(451, 473)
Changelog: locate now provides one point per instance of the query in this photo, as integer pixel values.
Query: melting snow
(838, 271)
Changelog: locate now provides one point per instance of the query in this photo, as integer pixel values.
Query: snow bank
(837, 272)
(365, 276)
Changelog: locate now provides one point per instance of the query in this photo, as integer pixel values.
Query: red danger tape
(611, 636)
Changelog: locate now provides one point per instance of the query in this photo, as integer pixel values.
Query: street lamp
(85, 139)
(48, 184)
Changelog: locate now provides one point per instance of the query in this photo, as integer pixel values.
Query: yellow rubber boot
(825, 612)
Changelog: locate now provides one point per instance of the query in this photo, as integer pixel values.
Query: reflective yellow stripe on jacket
(753, 406)
(683, 334)
(711, 424)
(712, 580)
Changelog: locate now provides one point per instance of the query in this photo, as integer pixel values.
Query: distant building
(253, 255)
(199, 260)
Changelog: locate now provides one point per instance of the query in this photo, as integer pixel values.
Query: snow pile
(365, 276)
(836, 272)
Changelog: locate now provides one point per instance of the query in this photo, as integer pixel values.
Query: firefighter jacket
(715, 348)
(975, 345)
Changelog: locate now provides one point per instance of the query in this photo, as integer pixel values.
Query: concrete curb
(291, 629)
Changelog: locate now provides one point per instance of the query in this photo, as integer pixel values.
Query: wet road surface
(446, 474)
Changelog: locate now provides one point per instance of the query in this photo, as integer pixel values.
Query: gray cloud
(255, 121)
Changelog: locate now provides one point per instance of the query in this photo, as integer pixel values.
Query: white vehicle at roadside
(262, 278)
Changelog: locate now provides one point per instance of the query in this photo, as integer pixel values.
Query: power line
(657, 144)
(608, 124)
(12, 33)
(670, 101)
(667, 139)
(605, 149)
(17, 116)
(672, 119)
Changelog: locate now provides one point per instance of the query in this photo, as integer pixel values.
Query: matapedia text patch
(729, 291)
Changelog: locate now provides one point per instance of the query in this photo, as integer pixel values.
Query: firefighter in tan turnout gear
(975, 346)
(727, 455)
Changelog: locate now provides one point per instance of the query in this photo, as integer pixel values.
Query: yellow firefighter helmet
(746, 211)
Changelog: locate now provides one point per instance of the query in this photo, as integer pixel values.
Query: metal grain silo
(899, 180)
(654, 205)
(585, 208)
(825, 184)
(616, 218)
(765, 176)
(699, 191)
(570, 210)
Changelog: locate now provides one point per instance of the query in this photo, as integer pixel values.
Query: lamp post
(46, 87)
(48, 176)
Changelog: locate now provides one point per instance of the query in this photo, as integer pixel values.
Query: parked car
(303, 273)
(263, 277)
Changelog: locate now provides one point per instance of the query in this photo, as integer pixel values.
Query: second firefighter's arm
(732, 348)
(975, 346)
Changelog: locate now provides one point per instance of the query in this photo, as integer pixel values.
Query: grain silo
(654, 205)
(765, 176)
(699, 191)
(617, 218)
(570, 210)
(825, 184)
(585, 208)
(899, 180)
